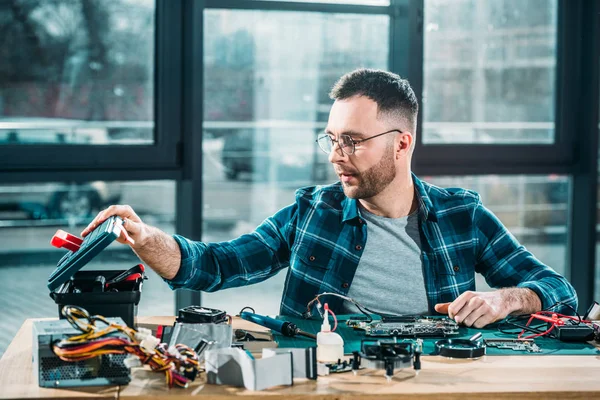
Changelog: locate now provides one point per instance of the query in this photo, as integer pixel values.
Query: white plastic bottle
(330, 345)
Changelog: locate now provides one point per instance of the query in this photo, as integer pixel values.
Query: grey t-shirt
(389, 277)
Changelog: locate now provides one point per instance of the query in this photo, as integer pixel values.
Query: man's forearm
(521, 301)
(160, 252)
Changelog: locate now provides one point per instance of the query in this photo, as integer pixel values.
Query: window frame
(558, 157)
(177, 151)
(163, 154)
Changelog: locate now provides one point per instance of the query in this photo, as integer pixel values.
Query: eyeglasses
(346, 143)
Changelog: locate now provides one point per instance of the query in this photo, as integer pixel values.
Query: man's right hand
(131, 222)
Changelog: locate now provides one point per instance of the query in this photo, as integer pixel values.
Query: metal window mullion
(293, 6)
(190, 188)
(584, 83)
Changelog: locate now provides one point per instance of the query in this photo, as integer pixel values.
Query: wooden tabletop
(523, 377)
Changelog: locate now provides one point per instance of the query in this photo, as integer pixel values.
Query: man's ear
(404, 144)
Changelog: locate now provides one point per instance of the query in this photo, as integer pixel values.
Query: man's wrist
(520, 301)
(144, 237)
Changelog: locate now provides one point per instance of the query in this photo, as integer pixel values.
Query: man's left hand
(476, 309)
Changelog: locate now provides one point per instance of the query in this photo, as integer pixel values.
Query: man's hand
(479, 309)
(154, 247)
(133, 225)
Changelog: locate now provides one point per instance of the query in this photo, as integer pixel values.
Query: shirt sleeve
(504, 262)
(249, 259)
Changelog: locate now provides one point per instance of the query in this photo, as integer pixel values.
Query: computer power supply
(51, 371)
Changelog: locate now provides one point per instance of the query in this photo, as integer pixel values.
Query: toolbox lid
(90, 247)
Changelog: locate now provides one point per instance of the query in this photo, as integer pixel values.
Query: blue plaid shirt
(322, 236)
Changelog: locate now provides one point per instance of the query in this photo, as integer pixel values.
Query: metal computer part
(51, 371)
(415, 328)
(387, 355)
(527, 345)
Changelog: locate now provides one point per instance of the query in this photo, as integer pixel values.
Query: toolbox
(110, 293)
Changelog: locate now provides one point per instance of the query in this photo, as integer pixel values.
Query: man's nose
(336, 154)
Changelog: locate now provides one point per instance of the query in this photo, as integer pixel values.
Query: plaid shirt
(322, 236)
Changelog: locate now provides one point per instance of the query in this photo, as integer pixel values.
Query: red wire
(327, 310)
(552, 325)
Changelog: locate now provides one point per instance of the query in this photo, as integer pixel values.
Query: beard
(372, 181)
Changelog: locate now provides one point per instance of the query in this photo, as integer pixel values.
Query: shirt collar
(350, 206)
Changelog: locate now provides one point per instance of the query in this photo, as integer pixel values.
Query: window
(31, 213)
(489, 71)
(363, 2)
(77, 72)
(267, 76)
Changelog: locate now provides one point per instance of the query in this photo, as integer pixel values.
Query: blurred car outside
(58, 200)
(34, 130)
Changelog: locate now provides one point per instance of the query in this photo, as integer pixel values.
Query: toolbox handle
(62, 239)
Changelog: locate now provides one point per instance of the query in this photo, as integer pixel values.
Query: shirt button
(456, 268)
(360, 221)
(358, 247)
(345, 285)
(312, 258)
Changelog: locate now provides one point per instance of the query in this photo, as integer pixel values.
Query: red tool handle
(553, 319)
(62, 239)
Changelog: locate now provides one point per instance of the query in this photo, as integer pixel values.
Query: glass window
(535, 209)
(489, 71)
(267, 79)
(363, 2)
(77, 72)
(31, 213)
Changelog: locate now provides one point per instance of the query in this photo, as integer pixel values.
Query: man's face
(371, 168)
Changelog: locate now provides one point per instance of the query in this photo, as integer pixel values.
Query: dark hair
(393, 95)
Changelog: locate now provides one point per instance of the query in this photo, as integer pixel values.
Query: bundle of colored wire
(179, 363)
(553, 319)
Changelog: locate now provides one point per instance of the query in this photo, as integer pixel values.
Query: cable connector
(172, 350)
(142, 333)
(132, 361)
(149, 344)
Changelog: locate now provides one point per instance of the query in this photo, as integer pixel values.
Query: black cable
(247, 308)
(530, 328)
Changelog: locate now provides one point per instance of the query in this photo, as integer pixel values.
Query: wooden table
(508, 377)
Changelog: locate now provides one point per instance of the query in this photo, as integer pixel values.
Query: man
(381, 236)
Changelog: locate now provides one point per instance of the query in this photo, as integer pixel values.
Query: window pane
(363, 2)
(31, 213)
(535, 209)
(489, 71)
(77, 72)
(267, 78)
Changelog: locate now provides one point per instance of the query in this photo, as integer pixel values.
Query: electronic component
(304, 360)
(201, 337)
(596, 328)
(97, 337)
(201, 315)
(572, 331)
(461, 348)
(387, 355)
(236, 367)
(413, 327)
(50, 371)
(527, 345)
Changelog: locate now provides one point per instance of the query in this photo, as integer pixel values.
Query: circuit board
(527, 345)
(416, 327)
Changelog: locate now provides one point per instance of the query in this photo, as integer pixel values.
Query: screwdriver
(286, 328)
